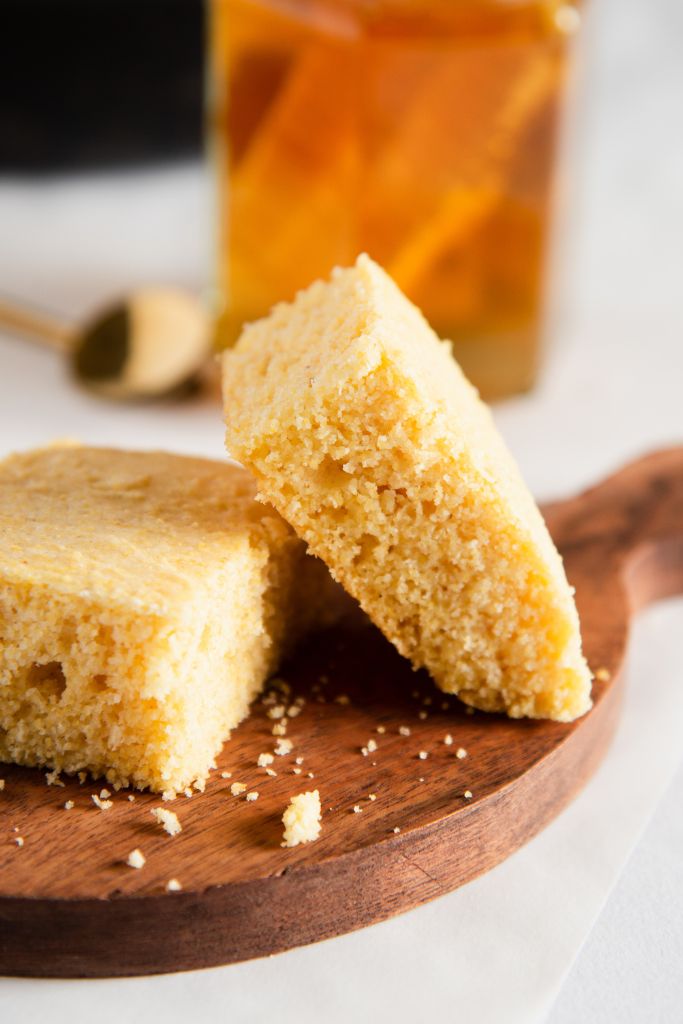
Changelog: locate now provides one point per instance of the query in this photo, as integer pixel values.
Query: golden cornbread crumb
(2, 785)
(362, 431)
(423, 755)
(136, 859)
(467, 794)
(237, 788)
(404, 730)
(264, 760)
(69, 805)
(173, 885)
(19, 841)
(103, 805)
(279, 729)
(460, 753)
(283, 747)
(168, 820)
(302, 819)
(357, 809)
(448, 740)
(252, 796)
(144, 599)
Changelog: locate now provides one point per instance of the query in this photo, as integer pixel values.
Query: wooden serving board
(70, 906)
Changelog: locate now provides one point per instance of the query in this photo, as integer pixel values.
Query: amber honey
(420, 131)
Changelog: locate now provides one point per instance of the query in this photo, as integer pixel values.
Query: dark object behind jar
(96, 83)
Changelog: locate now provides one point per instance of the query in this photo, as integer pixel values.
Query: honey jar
(423, 132)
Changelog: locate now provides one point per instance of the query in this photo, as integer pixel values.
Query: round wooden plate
(70, 906)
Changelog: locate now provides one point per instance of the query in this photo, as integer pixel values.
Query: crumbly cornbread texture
(302, 819)
(363, 432)
(144, 599)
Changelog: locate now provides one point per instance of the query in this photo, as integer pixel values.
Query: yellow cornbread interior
(144, 598)
(363, 432)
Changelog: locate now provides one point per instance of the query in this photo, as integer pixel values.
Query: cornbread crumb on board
(167, 819)
(102, 803)
(147, 596)
(302, 819)
(362, 431)
(136, 859)
(173, 885)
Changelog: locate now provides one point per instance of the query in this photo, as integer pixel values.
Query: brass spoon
(153, 343)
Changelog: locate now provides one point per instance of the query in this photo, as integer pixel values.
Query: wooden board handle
(631, 525)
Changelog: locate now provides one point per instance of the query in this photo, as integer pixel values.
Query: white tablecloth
(501, 948)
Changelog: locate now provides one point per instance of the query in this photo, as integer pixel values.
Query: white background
(612, 389)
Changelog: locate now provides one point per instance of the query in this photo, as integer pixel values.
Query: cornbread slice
(363, 432)
(144, 598)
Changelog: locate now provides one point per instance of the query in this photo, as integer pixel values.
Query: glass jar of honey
(422, 132)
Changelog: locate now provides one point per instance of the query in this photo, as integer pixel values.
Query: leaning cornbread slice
(362, 431)
(144, 598)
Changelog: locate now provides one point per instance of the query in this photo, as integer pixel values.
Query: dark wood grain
(69, 905)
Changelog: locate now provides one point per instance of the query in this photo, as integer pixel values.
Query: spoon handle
(34, 325)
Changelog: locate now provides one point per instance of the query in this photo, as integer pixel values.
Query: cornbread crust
(362, 431)
(144, 599)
